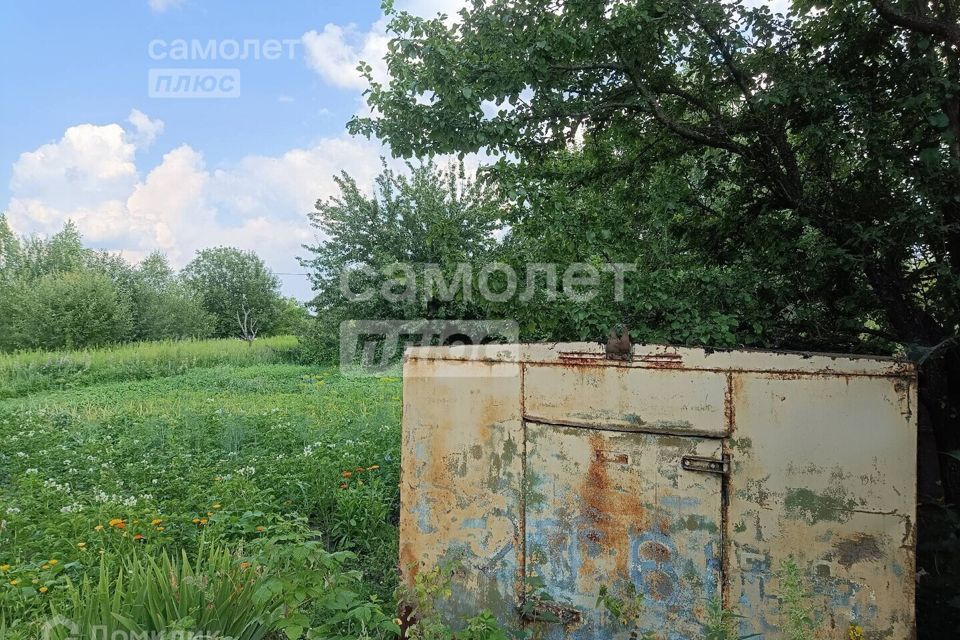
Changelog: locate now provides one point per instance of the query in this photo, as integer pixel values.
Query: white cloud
(159, 6)
(260, 203)
(336, 52)
(145, 130)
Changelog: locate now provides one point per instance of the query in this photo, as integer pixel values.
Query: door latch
(702, 464)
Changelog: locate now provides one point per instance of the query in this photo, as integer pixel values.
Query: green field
(115, 456)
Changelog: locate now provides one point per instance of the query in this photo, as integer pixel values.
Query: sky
(85, 136)
(96, 128)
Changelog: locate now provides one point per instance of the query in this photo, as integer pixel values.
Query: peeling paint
(565, 468)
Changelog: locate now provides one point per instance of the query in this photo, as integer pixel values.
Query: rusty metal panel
(461, 480)
(824, 470)
(628, 398)
(539, 461)
(618, 510)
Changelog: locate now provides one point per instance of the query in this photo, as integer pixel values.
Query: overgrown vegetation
(221, 452)
(56, 294)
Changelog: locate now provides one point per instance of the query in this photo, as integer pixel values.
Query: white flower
(31, 472)
(13, 511)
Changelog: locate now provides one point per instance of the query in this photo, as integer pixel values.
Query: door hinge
(702, 464)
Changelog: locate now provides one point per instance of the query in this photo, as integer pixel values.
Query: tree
(428, 219)
(163, 307)
(228, 281)
(820, 149)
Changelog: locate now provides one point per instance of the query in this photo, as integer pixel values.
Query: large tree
(234, 285)
(818, 152)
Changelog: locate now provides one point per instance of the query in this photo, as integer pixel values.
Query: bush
(73, 310)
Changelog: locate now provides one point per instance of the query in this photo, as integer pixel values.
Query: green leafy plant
(722, 622)
(216, 593)
(796, 612)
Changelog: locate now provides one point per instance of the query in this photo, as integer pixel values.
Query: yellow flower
(855, 632)
(156, 521)
(99, 527)
(53, 561)
(216, 505)
(15, 582)
(373, 467)
(44, 589)
(81, 545)
(209, 513)
(160, 528)
(204, 521)
(195, 521)
(115, 521)
(4, 567)
(45, 567)
(244, 565)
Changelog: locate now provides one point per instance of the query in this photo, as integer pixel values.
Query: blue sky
(81, 139)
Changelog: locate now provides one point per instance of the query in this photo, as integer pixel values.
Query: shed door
(618, 511)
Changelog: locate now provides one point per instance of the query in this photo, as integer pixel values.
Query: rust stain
(658, 584)
(655, 551)
(608, 514)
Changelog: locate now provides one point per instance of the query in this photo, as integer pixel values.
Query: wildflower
(209, 513)
(4, 567)
(160, 529)
(373, 467)
(156, 521)
(81, 545)
(216, 505)
(261, 529)
(347, 474)
(99, 527)
(344, 485)
(855, 632)
(53, 561)
(15, 582)
(195, 521)
(203, 521)
(44, 589)
(45, 567)
(115, 521)
(244, 565)
(397, 621)
(360, 469)
(138, 537)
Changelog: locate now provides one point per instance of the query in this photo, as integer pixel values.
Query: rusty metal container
(545, 475)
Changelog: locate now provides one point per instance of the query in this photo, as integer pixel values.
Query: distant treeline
(57, 294)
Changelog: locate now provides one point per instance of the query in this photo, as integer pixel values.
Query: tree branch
(942, 29)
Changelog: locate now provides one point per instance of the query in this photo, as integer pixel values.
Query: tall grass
(34, 371)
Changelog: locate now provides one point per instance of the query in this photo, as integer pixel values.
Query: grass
(30, 372)
(166, 448)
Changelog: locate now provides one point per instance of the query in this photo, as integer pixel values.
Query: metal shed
(543, 473)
